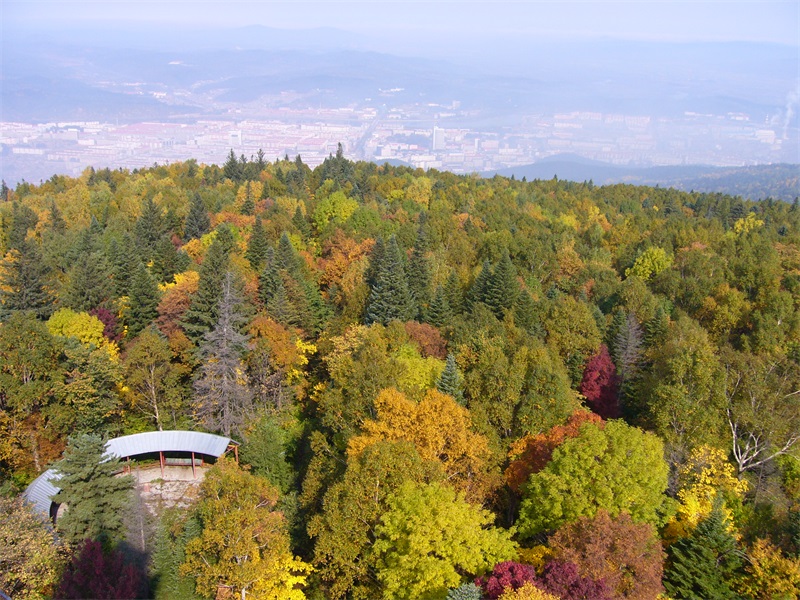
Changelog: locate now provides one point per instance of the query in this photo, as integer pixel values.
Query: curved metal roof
(40, 492)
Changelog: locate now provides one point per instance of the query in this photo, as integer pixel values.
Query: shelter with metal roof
(195, 443)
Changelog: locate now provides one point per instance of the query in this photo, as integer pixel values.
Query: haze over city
(466, 87)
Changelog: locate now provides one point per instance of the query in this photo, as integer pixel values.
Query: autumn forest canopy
(443, 386)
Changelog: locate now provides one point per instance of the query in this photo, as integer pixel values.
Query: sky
(775, 21)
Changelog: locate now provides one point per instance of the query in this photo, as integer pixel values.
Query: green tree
(419, 275)
(617, 468)
(257, 246)
(203, 312)
(88, 284)
(705, 564)
(96, 497)
(344, 531)
(25, 282)
(243, 546)
(430, 537)
(143, 301)
(197, 222)
(451, 381)
(390, 297)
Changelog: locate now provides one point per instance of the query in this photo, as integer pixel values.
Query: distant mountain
(779, 181)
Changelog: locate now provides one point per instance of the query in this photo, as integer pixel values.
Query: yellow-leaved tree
(244, 544)
(440, 430)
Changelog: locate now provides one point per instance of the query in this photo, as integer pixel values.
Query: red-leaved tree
(505, 575)
(93, 573)
(628, 556)
(600, 385)
(563, 579)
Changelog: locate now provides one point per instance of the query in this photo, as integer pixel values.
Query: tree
(627, 556)
(223, 399)
(429, 536)
(419, 275)
(563, 580)
(197, 222)
(390, 297)
(466, 591)
(29, 555)
(88, 284)
(202, 313)
(770, 575)
(600, 385)
(24, 282)
(243, 546)
(617, 468)
(762, 407)
(440, 430)
(149, 229)
(344, 529)
(257, 246)
(95, 496)
(153, 381)
(94, 573)
(143, 302)
(705, 564)
(451, 382)
(505, 576)
(528, 591)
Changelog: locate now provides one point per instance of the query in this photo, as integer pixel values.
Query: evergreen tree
(419, 275)
(168, 261)
(439, 312)
(375, 260)
(25, 282)
(223, 397)
(23, 218)
(286, 257)
(89, 283)
(96, 497)
(526, 314)
(149, 229)
(122, 264)
(143, 301)
(450, 381)
(705, 564)
(454, 293)
(232, 168)
(390, 298)
(502, 288)
(198, 222)
(57, 222)
(203, 313)
(257, 246)
(248, 206)
(300, 222)
(656, 328)
(480, 287)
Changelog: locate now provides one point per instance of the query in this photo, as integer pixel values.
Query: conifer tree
(25, 282)
(223, 398)
(704, 564)
(375, 260)
(96, 497)
(198, 222)
(439, 311)
(526, 314)
(258, 245)
(57, 222)
(419, 275)
(122, 264)
(480, 287)
(143, 301)
(451, 382)
(149, 229)
(203, 312)
(167, 260)
(300, 222)
(501, 289)
(248, 206)
(89, 283)
(390, 298)
(454, 293)
(656, 328)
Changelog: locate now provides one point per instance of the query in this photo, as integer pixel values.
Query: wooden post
(161, 460)
(194, 475)
(236, 453)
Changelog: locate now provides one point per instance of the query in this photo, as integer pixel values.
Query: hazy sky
(723, 20)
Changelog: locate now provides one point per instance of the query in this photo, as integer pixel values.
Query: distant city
(421, 135)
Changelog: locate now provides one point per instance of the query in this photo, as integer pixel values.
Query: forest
(443, 386)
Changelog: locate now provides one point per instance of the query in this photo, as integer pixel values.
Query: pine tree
(223, 397)
(257, 246)
(203, 311)
(419, 275)
(25, 282)
(300, 222)
(122, 264)
(390, 298)
(454, 293)
(450, 381)
(439, 312)
(480, 287)
(57, 222)
(168, 261)
(96, 497)
(149, 229)
(526, 314)
(375, 260)
(89, 283)
(286, 257)
(143, 301)
(248, 206)
(501, 288)
(198, 222)
(704, 564)
(232, 169)
(656, 328)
